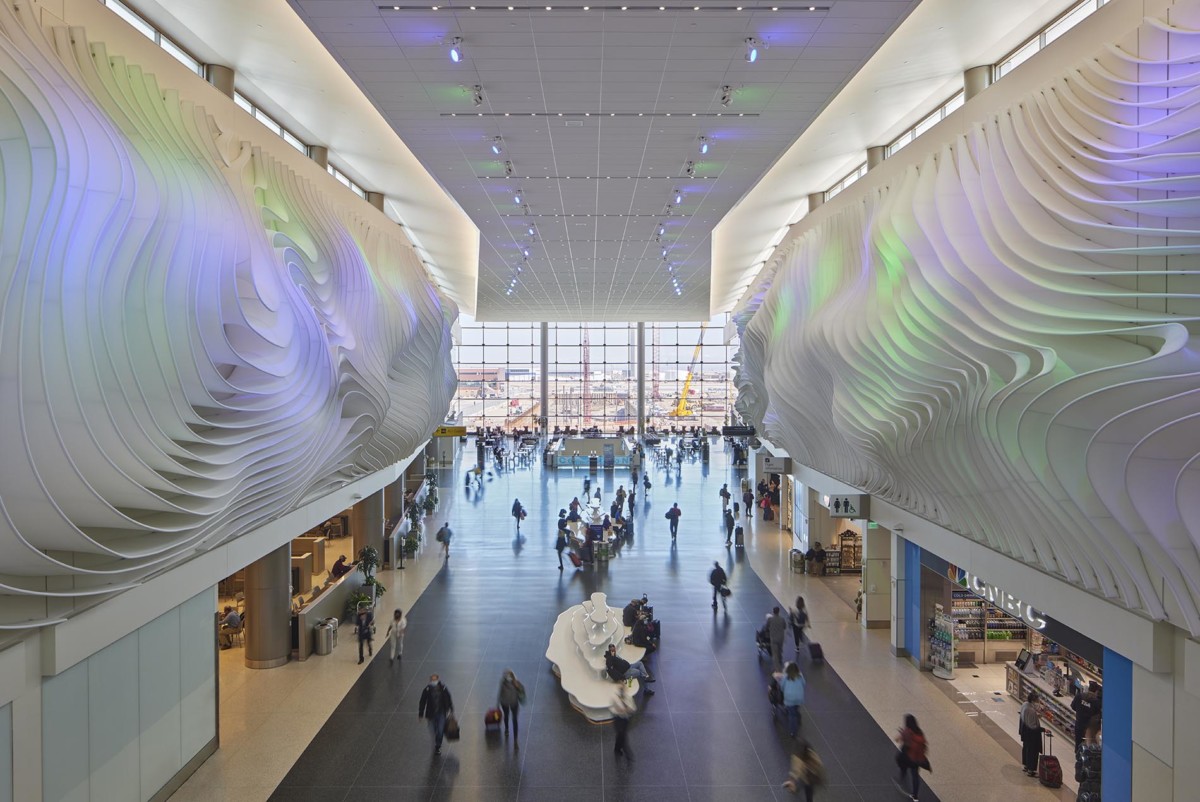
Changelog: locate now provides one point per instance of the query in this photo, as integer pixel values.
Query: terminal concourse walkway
(708, 734)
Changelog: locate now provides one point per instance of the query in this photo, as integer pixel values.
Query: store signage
(777, 464)
(1005, 601)
(450, 431)
(843, 506)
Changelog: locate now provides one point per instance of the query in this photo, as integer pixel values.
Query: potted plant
(354, 600)
(411, 543)
(431, 501)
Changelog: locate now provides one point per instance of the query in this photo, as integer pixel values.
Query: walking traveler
(793, 696)
(620, 496)
(622, 710)
(443, 536)
(395, 633)
(799, 621)
(560, 543)
(673, 516)
(776, 627)
(725, 496)
(631, 499)
(718, 580)
(913, 755)
(510, 698)
(364, 628)
(435, 706)
(807, 771)
(646, 484)
(729, 524)
(518, 512)
(1029, 728)
(748, 502)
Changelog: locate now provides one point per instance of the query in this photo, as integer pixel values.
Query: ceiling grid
(599, 113)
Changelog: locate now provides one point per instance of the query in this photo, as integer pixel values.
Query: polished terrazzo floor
(707, 734)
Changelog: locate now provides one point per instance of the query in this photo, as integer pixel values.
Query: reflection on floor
(707, 734)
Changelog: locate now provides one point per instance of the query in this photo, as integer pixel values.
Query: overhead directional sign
(450, 431)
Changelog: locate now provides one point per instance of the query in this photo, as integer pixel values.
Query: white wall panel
(113, 726)
(159, 695)
(6, 753)
(197, 670)
(65, 736)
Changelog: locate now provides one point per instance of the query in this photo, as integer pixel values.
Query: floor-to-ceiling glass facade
(592, 375)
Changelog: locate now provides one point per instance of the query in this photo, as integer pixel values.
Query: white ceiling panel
(596, 187)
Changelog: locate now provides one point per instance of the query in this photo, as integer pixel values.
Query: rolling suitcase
(575, 560)
(1049, 770)
(739, 537)
(815, 652)
(492, 719)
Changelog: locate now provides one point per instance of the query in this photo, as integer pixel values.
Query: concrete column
(875, 156)
(641, 379)
(815, 199)
(319, 154)
(393, 499)
(268, 609)
(366, 524)
(544, 384)
(375, 199)
(876, 578)
(897, 576)
(975, 80)
(221, 77)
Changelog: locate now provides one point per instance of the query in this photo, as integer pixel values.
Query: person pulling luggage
(718, 579)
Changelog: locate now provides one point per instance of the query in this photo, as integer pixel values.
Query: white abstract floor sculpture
(577, 647)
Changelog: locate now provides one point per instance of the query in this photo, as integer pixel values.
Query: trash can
(333, 624)
(323, 638)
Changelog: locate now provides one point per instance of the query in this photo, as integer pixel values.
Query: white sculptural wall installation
(1003, 339)
(195, 339)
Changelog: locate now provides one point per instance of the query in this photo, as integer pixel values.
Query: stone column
(641, 379)
(898, 595)
(544, 385)
(393, 499)
(269, 610)
(875, 156)
(975, 80)
(876, 578)
(366, 524)
(221, 77)
(319, 154)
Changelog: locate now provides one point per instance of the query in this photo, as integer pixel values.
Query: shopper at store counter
(1029, 729)
(1086, 704)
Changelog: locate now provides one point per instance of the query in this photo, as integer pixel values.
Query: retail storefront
(972, 625)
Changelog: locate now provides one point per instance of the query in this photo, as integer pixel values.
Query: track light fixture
(752, 46)
(457, 54)
(703, 146)
(517, 197)
(678, 196)
(690, 169)
(477, 95)
(532, 231)
(497, 145)
(726, 95)
(662, 229)
(508, 169)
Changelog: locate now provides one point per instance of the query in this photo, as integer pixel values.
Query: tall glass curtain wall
(592, 375)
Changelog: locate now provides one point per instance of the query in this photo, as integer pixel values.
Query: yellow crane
(682, 410)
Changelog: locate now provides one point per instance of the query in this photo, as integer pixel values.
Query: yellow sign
(450, 431)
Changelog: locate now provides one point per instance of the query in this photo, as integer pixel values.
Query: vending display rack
(941, 644)
(850, 548)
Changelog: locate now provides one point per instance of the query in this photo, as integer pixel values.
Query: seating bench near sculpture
(578, 643)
